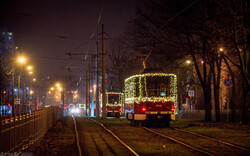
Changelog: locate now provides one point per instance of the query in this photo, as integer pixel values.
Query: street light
(188, 61)
(61, 89)
(29, 67)
(20, 60)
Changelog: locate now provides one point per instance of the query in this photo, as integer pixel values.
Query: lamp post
(21, 60)
(29, 68)
(61, 89)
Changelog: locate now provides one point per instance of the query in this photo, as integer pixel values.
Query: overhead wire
(170, 19)
(93, 33)
(91, 37)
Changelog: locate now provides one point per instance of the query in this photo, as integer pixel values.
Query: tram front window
(158, 86)
(113, 98)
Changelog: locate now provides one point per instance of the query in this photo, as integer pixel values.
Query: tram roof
(150, 74)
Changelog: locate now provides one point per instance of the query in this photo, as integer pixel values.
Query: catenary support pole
(97, 82)
(87, 92)
(104, 115)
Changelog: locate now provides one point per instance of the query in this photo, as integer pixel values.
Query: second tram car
(151, 97)
(115, 104)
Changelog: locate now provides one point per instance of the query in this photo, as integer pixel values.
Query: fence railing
(20, 132)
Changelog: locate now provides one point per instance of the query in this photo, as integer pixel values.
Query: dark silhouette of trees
(209, 31)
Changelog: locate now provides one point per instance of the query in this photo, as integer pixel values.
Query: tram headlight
(75, 110)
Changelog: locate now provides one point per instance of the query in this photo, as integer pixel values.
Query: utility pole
(89, 89)
(97, 82)
(24, 107)
(104, 115)
(62, 98)
(92, 75)
(13, 96)
(87, 92)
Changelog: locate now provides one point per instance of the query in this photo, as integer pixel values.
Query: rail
(77, 138)
(116, 137)
(18, 133)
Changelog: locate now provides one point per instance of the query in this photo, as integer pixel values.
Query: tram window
(113, 98)
(158, 86)
(136, 85)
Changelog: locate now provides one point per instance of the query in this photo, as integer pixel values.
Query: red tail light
(120, 109)
(172, 109)
(143, 109)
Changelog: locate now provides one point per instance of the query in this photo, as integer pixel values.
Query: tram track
(77, 137)
(202, 143)
(192, 133)
(102, 143)
(213, 139)
(116, 137)
(178, 141)
(195, 142)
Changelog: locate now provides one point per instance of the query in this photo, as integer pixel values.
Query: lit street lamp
(20, 60)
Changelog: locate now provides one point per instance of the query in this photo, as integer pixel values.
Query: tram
(115, 104)
(151, 97)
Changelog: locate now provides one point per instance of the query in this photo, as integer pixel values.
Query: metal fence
(200, 115)
(20, 132)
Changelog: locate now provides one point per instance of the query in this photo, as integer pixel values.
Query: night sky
(47, 29)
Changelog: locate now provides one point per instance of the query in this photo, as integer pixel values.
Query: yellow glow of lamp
(29, 67)
(21, 60)
(60, 88)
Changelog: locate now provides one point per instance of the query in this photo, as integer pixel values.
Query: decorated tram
(115, 104)
(151, 97)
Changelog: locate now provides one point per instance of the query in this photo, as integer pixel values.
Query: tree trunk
(207, 97)
(232, 101)
(216, 102)
(216, 80)
(245, 105)
(208, 115)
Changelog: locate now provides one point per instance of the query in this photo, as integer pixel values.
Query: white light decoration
(120, 102)
(136, 89)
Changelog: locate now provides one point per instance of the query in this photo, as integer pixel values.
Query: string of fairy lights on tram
(132, 83)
